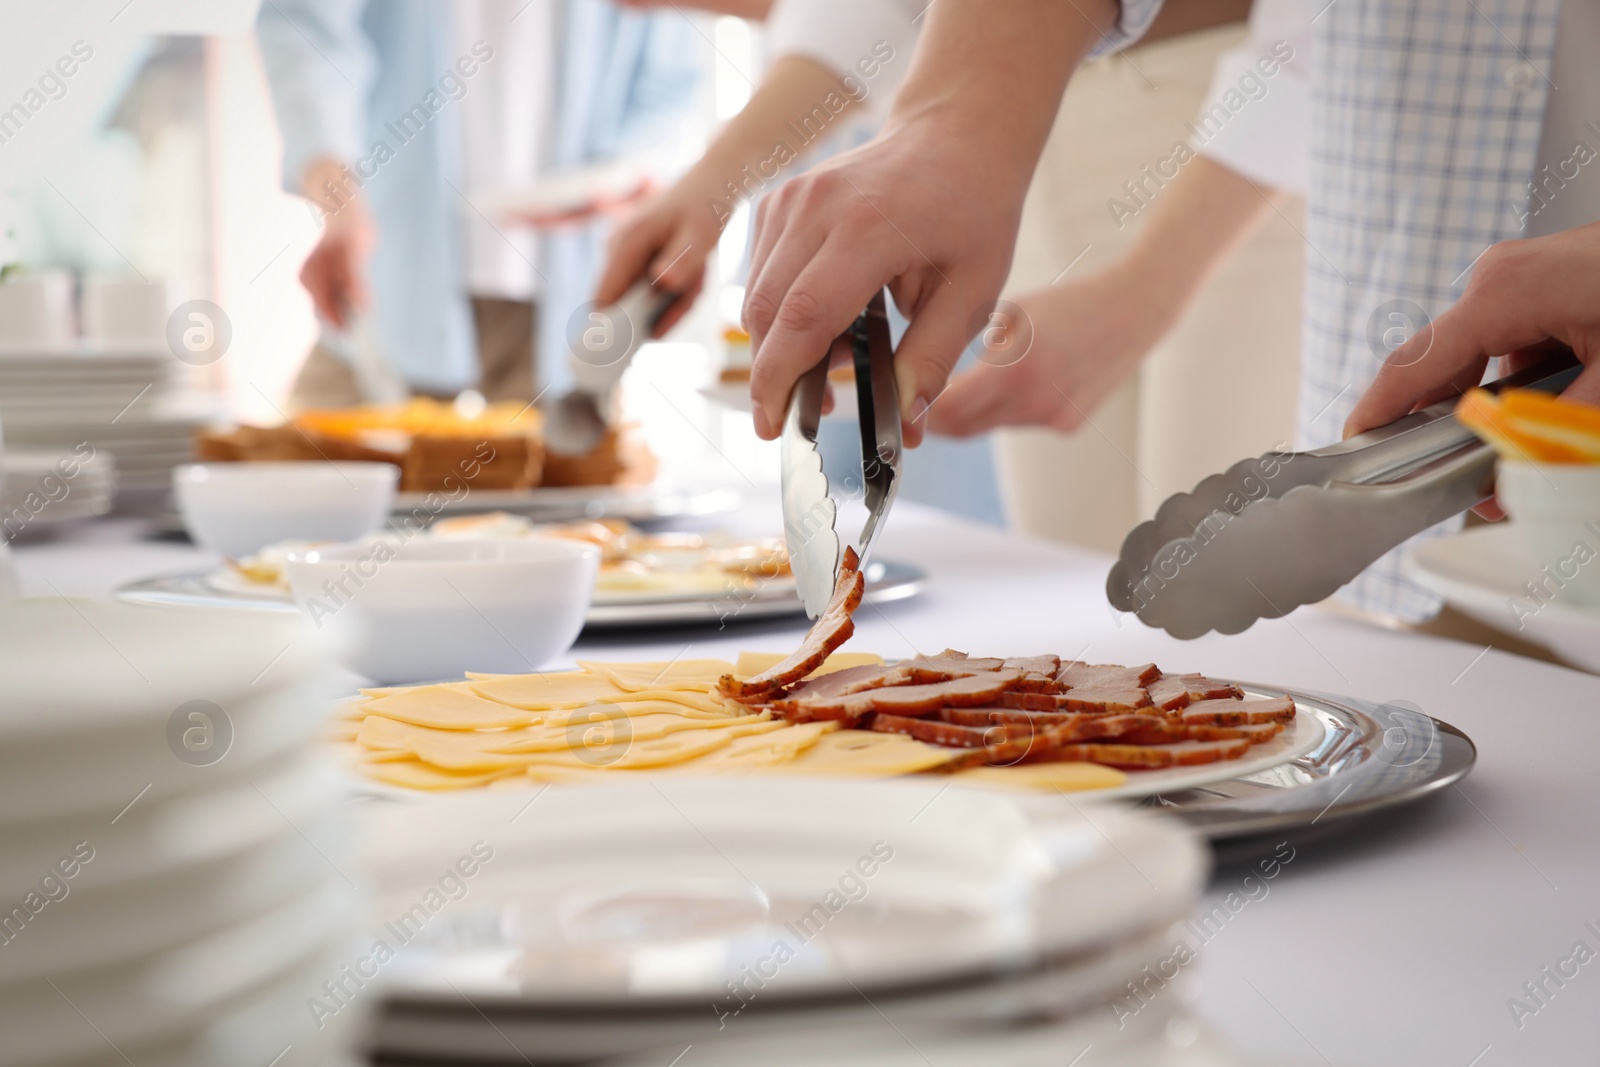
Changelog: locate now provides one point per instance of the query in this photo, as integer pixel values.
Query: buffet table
(1402, 943)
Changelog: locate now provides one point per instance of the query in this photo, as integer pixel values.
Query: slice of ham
(1173, 691)
(832, 629)
(849, 680)
(909, 700)
(1238, 712)
(1104, 698)
(1108, 675)
(1079, 701)
(1004, 715)
(1154, 757)
(1257, 734)
(938, 732)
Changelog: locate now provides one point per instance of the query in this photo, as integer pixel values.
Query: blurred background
(154, 175)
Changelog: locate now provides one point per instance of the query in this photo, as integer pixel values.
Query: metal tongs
(1289, 528)
(600, 351)
(809, 512)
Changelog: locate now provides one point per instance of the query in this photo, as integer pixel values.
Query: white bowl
(238, 508)
(1556, 509)
(412, 611)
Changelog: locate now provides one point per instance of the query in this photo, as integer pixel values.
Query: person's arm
(320, 66)
(930, 207)
(1083, 337)
(669, 240)
(1523, 294)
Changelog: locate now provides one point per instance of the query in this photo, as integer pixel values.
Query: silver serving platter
(1373, 758)
(887, 581)
(546, 504)
(571, 503)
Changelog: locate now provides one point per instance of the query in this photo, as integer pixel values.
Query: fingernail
(906, 384)
(763, 425)
(919, 408)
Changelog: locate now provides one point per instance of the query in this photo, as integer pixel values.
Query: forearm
(995, 82)
(1196, 223)
(749, 143)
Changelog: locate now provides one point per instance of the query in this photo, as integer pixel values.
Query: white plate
(1302, 734)
(1481, 573)
(656, 893)
(175, 992)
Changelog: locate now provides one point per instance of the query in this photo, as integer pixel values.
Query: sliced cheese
(1065, 777)
(411, 774)
(542, 692)
(452, 706)
(865, 754)
(695, 675)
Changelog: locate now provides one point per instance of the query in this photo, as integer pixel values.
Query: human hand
(668, 241)
(1054, 356)
(1523, 295)
(1524, 298)
(925, 210)
(335, 273)
(745, 9)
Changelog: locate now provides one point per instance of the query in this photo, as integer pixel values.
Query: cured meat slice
(1005, 714)
(1035, 664)
(1138, 757)
(1079, 701)
(1194, 753)
(849, 680)
(1083, 675)
(1256, 734)
(1238, 712)
(1173, 691)
(946, 665)
(937, 732)
(832, 629)
(971, 691)
(1104, 698)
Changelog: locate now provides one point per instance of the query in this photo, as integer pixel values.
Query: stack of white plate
(40, 488)
(170, 862)
(119, 399)
(786, 921)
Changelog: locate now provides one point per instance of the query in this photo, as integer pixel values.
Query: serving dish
(1486, 574)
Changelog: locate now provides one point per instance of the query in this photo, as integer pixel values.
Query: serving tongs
(1289, 528)
(810, 514)
(601, 349)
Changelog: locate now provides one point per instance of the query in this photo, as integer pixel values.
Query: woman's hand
(335, 273)
(1055, 355)
(1523, 294)
(667, 241)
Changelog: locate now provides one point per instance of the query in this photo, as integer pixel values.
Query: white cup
(1556, 509)
(412, 611)
(239, 508)
(36, 308)
(120, 308)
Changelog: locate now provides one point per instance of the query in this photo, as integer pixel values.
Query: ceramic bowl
(238, 508)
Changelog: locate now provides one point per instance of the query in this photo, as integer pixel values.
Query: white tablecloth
(1401, 947)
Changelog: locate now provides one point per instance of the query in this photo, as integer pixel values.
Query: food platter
(887, 581)
(569, 503)
(1371, 758)
(1481, 573)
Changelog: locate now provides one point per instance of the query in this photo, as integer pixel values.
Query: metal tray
(570, 503)
(887, 581)
(1373, 757)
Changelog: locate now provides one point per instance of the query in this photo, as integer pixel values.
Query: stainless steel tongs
(809, 512)
(1289, 528)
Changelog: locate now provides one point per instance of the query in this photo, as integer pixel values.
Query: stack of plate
(168, 882)
(38, 489)
(120, 400)
(782, 921)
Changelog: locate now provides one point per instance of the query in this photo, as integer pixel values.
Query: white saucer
(1481, 573)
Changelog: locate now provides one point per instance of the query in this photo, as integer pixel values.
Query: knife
(1289, 528)
(599, 352)
(809, 511)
